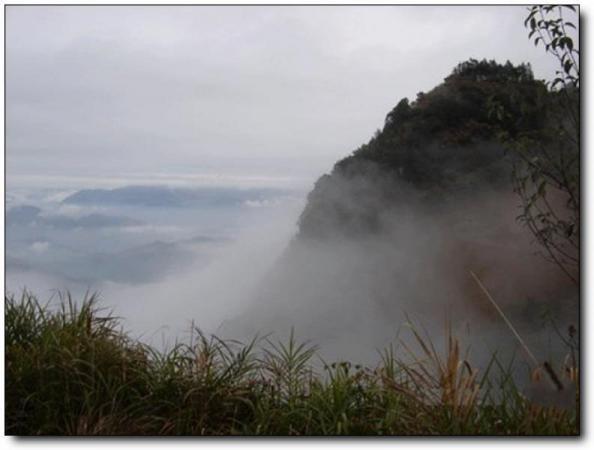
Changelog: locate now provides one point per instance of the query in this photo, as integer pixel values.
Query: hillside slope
(445, 142)
(396, 228)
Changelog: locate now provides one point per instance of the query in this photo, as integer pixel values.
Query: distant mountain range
(31, 215)
(139, 264)
(162, 196)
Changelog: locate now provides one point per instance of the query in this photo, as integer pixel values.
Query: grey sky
(262, 91)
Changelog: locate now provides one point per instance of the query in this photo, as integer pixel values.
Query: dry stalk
(505, 319)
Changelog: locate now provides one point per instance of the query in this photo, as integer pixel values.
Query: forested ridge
(450, 139)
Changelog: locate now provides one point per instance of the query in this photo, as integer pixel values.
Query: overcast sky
(270, 92)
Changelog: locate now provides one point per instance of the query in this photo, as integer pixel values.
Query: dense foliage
(442, 130)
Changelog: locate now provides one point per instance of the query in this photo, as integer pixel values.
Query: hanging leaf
(567, 66)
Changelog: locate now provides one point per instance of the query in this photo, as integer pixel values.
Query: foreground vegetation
(72, 371)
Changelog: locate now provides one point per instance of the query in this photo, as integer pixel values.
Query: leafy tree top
(422, 140)
(484, 70)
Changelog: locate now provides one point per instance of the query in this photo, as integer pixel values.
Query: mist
(355, 293)
(352, 287)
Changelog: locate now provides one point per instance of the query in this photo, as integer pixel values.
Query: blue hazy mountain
(139, 264)
(22, 215)
(31, 215)
(90, 221)
(163, 196)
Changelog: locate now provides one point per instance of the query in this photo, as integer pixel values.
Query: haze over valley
(256, 169)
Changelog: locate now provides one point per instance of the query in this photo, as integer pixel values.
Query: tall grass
(71, 370)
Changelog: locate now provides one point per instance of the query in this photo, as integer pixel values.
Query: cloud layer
(234, 90)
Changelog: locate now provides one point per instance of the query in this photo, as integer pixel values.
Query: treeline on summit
(422, 139)
(454, 138)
